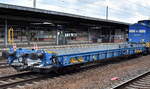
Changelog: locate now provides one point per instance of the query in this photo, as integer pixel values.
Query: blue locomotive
(140, 32)
(54, 59)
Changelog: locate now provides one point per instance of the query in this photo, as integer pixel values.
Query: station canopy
(26, 15)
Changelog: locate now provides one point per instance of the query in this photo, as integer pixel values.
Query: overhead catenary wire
(118, 11)
(89, 8)
(124, 11)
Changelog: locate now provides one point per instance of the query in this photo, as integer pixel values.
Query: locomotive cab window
(142, 31)
(132, 31)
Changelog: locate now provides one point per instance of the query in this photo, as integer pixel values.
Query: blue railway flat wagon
(39, 60)
(139, 32)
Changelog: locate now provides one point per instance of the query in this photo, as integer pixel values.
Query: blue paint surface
(140, 32)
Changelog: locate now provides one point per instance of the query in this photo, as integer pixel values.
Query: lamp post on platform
(34, 3)
(107, 3)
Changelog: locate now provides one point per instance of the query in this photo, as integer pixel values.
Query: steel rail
(141, 81)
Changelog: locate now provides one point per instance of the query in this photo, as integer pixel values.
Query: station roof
(13, 12)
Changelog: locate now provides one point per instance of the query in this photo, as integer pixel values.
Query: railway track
(139, 82)
(19, 79)
(30, 77)
(3, 65)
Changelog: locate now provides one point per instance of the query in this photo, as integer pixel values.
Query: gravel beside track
(5, 69)
(17, 79)
(3, 65)
(139, 82)
(98, 77)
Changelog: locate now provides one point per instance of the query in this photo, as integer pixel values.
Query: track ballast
(19, 79)
(139, 82)
(3, 65)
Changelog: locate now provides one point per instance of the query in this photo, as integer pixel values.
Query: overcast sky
(120, 10)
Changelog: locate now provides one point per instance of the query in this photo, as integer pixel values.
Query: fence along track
(139, 82)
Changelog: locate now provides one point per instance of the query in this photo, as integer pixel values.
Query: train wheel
(59, 70)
